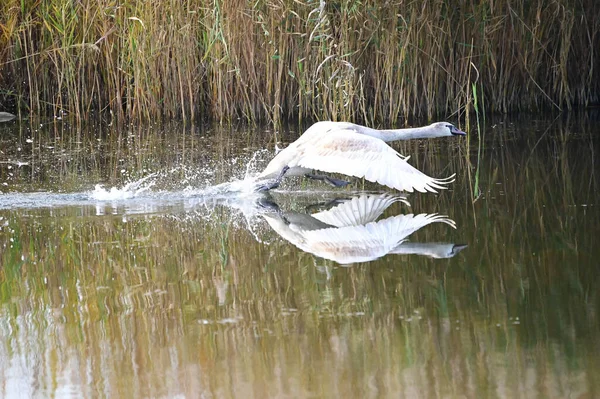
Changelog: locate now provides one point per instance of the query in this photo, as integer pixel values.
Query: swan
(350, 232)
(359, 151)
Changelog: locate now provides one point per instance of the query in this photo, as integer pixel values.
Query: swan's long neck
(402, 134)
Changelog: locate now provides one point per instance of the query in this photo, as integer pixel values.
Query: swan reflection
(350, 232)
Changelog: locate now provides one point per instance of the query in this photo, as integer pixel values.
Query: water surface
(126, 273)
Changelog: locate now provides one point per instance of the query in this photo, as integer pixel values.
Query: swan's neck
(405, 134)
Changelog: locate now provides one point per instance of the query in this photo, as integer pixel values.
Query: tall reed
(476, 189)
(291, 59)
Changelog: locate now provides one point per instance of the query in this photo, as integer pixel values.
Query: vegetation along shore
(270, 61)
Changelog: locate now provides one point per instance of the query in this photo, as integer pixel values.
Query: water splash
(252, 166)
(129, 190)
(181, 187)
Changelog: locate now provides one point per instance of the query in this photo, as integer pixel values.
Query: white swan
(350, 232)
(355, 150)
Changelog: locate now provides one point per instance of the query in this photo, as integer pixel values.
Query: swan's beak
(457, 132)
(456, 248)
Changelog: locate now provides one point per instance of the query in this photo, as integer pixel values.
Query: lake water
(127, 273)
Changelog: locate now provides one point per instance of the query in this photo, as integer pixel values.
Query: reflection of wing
(436, 250)
(351, 244)
(358, 211)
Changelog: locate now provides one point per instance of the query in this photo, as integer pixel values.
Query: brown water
(126, 273)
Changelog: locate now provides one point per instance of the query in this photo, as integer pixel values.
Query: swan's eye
(449, 127)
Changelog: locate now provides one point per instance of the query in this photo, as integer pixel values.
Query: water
(127, 273)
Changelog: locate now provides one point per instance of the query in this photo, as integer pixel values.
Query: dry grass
(288, 59)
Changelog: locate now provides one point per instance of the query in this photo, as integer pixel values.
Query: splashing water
(252, 167)
(196, 182)
(246, 186)
(180, 186)
(129, 190)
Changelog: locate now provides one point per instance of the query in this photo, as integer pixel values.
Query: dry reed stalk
(289, 59)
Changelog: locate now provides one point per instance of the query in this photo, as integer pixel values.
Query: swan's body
(359, 151)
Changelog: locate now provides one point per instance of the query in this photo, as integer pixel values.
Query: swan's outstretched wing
(359, 210)
(344, 151)
(351, 244)
(363, 243)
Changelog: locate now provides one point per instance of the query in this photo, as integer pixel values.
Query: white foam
(129, 190)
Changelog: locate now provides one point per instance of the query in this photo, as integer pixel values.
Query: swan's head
(442, 129)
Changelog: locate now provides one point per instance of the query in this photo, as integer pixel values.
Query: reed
(480, 141)
(286, 60)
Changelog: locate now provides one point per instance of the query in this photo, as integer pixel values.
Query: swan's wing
(405, 225)
(353, 244)
(363, 243)
(344, 151)
(359, 210)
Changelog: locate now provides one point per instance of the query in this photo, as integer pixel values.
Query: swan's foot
(273, 183)
(271, 206)
(323, 206)
(268, 185)
(267, 203)
(329, 180)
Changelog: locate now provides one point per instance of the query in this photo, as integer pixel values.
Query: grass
(276, 61)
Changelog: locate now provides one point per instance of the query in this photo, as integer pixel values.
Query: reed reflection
(350, 232)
